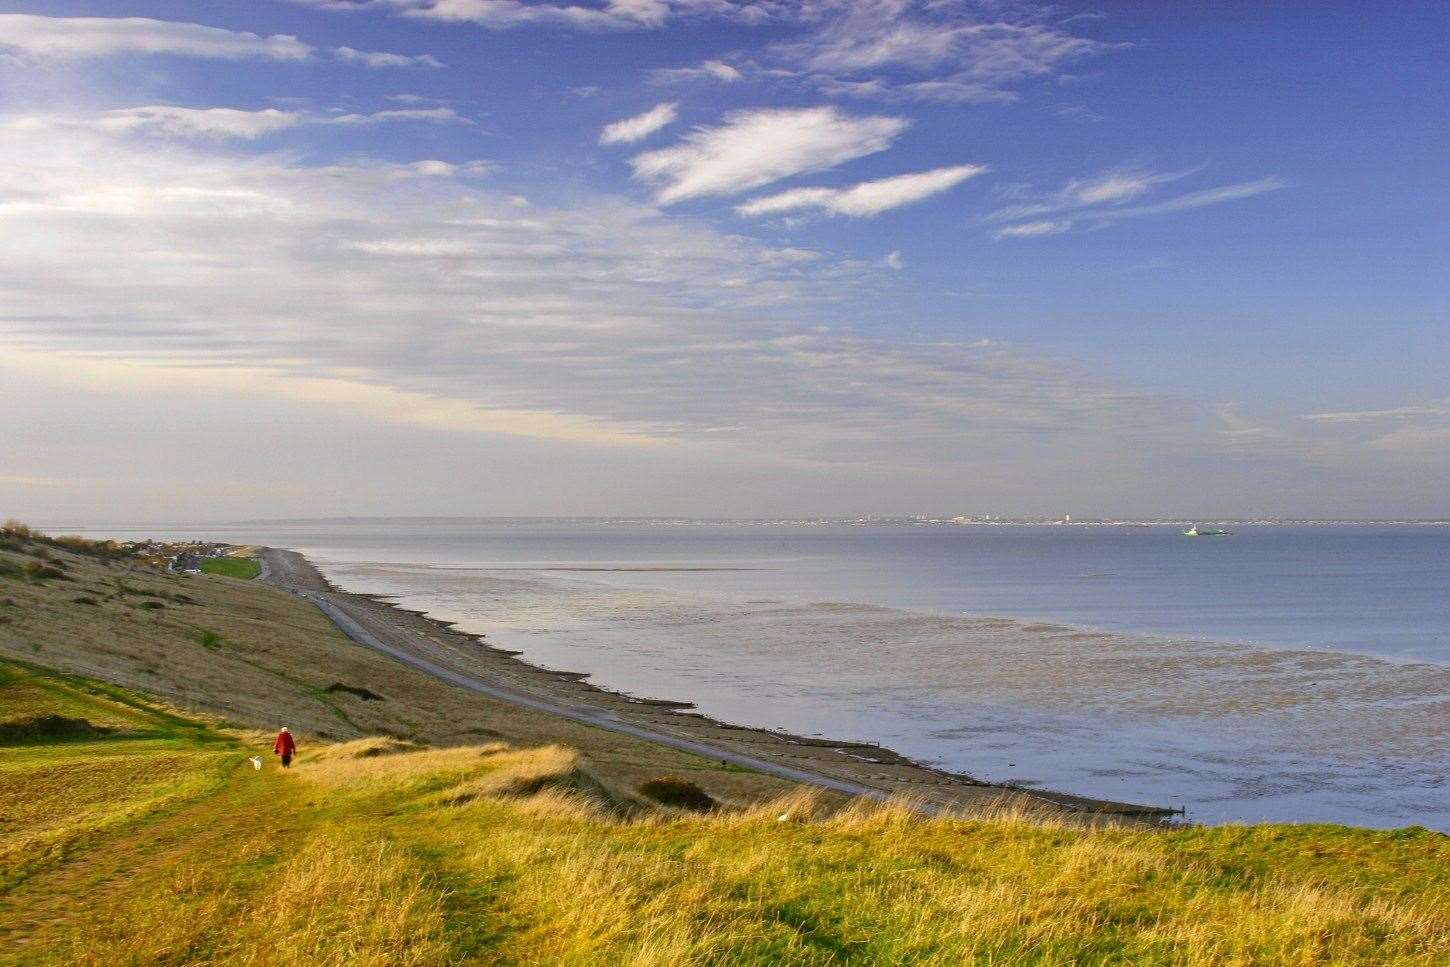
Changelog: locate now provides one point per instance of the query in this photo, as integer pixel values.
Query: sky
(749, 258)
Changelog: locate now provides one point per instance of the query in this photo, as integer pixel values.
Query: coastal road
(290, 572)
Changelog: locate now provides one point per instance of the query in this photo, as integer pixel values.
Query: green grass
(160, 843)
(245, 568)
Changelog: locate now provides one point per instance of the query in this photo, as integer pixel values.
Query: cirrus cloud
(752, 148)
(867, 198)
(640, 126)
(381, 59)
(76, 38)
(710, 70)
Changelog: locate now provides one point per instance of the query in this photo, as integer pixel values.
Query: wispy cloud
(379, 59)
(504, 14)
(34, 37)
(219, 123)
(1103, 200)
(641, 126)
(599, 15)
(1201, 199)
(1034, 229)
(949, 51)
(214, 122)
(866, 198)
(410, 284)
(710, 70)
(892, 50)
(74, 38)
(756, 147)
(1367, 416)
(434, 115)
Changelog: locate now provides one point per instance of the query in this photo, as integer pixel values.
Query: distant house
(186, 561)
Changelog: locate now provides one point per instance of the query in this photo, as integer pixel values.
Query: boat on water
(1196, 531)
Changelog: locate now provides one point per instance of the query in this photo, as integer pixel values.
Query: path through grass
(157, 841)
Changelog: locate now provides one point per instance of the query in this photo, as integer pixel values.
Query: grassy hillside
(248, 654)
(144, 836)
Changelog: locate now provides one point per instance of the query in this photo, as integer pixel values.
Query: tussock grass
(349, 903)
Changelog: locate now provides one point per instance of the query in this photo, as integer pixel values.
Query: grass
(245, 568)
(160, 843)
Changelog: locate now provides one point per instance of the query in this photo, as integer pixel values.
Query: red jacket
(284, 744)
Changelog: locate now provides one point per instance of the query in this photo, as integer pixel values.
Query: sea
(1295, 673)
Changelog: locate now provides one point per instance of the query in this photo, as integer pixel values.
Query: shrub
(13, 528)
(90, 548)
(210, 640)
(44, 572)
(678, 792)
(84, 600)
(48, 727)
(362, 693)
(151, 605)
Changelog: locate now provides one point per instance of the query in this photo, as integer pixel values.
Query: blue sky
(720, 257)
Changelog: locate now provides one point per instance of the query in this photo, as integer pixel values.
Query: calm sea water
(1285, 672)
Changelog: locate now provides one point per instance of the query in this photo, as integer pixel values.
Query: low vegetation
(157, 841)
(16, 536)
(678, 792)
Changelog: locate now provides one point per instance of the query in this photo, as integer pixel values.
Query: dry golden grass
(433, 856)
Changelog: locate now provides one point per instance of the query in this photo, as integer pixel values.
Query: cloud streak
(380, 59)
(710, 70)
(756, 147)
(31, 37)
(948, 52)
(641, 126)
(867, 198)
(218, 123)
(76, 38)
(1103, 200)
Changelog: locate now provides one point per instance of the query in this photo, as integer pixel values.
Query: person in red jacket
(285, 746)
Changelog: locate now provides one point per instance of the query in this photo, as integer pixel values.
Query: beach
(468, 661)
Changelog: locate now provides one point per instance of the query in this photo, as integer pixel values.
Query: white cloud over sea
(734, 241)
(606, 320)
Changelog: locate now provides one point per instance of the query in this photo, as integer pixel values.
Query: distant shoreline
(869, 520)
